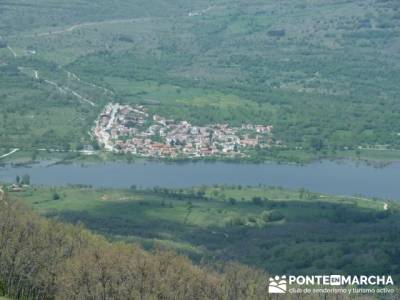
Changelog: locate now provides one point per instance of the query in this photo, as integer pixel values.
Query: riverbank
(377, 158)
(343, 177)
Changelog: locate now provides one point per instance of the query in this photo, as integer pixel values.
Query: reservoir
(340, 178)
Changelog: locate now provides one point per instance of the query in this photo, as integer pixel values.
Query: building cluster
(131, 129)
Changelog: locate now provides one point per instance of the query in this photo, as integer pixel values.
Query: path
(65, 89)
(9, 153)
(87, 24)
(75, 77)
(12, 51)
(80, 97)
(201, 12)
(62, 89)
(116, 21)
(114, 110)
(85, 152)
(378, 149)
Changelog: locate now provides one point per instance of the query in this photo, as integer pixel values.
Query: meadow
(284, 231)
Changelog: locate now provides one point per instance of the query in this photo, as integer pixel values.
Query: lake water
(345, 178)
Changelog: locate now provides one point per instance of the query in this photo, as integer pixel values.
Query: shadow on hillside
(344, 239)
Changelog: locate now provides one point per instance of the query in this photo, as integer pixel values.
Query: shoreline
(27, 158)
(344, 177)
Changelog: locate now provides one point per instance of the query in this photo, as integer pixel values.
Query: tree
(257, 201)
(95, 145)
(317, 144)
(34, 155)
(26, 180)
(302, 191)
(45, 259)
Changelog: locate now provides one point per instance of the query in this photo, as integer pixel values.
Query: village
(132, 129)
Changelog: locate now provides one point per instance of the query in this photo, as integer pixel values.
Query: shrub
(271, 216)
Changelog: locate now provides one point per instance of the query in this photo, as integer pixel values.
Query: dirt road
(9, 153)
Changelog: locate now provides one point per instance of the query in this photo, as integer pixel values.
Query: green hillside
(324, 73)
(284, 231)
(45, 259)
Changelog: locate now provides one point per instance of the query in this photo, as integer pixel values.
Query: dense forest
(46, 259)
(43, 259)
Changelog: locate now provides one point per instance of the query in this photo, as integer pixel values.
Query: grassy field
(326, 83)
(35, 116)
(284, 231)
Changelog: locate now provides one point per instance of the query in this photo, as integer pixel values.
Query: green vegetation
(35, 116)
(46, 259)
(284, 231)
(323, 73)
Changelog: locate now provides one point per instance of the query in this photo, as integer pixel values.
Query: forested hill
(44, 259)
